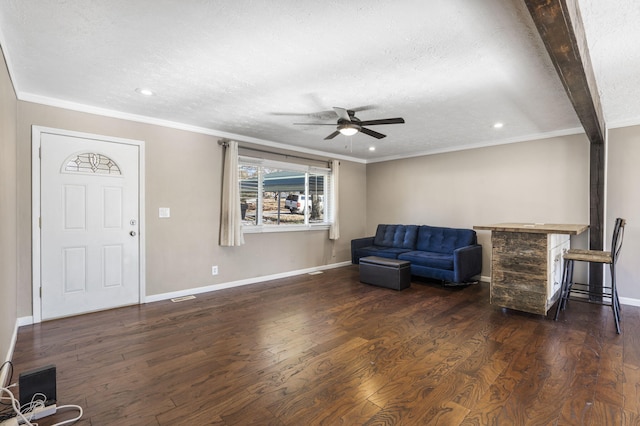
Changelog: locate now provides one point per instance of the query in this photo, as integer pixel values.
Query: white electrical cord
(67, 422)
(37, 401)
(14, 404)
(25, 413)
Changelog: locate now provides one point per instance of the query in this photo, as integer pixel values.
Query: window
(283, 196)
(89, 162)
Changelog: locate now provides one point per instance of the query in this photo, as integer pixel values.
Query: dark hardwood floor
(326, 349)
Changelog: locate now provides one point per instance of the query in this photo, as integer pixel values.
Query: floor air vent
(182, 298)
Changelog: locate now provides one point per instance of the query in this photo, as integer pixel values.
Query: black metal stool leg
(567, 294)
(569, 282)
(563, 290)
(615, 303)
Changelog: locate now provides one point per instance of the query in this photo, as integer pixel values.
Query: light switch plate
(164, 212)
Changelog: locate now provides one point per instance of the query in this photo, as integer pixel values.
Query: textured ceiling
(613, 35)
(250, 69)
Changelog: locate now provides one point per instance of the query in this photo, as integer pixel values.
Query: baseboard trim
(629, 301)
(25, 321)
(239, 283)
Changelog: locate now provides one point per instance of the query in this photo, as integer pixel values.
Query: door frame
(36, 250)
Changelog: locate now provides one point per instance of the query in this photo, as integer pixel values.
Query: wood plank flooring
(326, 349)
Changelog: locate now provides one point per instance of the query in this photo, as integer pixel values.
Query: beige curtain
(231, 221)
(334, 230)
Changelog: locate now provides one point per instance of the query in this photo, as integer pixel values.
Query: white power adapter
(41, 412)
(10, 422)
(36, 414)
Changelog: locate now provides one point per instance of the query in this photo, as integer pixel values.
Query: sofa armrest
(359, 243)
(467, 263)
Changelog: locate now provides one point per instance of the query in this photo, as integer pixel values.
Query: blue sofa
(449, 254)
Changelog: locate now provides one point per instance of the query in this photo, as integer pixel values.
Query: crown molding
(485, 144)
(624, 123)
(43, 100)
(73, 106)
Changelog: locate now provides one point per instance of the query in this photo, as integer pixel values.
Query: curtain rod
(225, 144)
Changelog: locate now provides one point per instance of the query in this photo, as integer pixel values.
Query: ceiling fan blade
(342, 113)
(372, 133)
(382, 121)
(315, 124)
(320, 115)
(292, 114)
(363, 108)
(332, 135)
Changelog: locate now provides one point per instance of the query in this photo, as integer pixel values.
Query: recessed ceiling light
(145, 92)
(498, 125)
(372, 148)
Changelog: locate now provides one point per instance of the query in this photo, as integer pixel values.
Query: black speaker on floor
(41, 380)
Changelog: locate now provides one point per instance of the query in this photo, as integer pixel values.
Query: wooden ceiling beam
(559, 24)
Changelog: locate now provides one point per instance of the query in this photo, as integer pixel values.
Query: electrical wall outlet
(214, 270)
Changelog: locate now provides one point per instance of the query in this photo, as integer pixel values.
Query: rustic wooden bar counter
(526, 263)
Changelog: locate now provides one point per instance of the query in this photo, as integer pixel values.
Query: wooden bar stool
(582, 292)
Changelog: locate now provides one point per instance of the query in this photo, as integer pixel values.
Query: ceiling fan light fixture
(348, 129)
(349, 124)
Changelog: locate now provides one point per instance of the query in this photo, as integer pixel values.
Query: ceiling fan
(348, 124)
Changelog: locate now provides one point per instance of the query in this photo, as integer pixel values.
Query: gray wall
(623, 200)
(8, 206)
(537, 181)
(184, 173)
(542, 181)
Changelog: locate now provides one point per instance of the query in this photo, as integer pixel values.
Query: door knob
(132, 233)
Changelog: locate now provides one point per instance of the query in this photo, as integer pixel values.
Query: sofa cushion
(398, 236)
(444, 240)
(430, 259)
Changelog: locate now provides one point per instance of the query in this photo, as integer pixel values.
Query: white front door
(89, 225)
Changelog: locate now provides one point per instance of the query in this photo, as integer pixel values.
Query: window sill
(283, 228)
